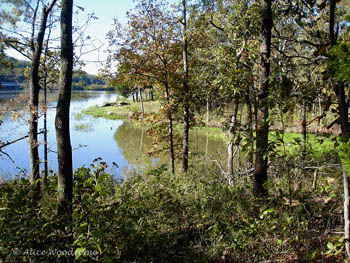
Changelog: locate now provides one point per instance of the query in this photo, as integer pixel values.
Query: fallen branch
(4, 144)
(247, 172)
(220, 166)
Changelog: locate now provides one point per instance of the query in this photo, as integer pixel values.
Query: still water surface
(116, 141)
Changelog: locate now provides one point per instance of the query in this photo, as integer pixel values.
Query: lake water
(117, 141)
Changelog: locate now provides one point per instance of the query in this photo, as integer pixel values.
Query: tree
(64, 148)
(338, 87)
(262, 107)
(36, 46)
(186, 94)
(35, 43)
(148, 55)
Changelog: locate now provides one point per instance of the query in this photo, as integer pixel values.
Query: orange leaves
(44, 108)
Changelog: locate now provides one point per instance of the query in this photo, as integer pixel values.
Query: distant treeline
(13, 70)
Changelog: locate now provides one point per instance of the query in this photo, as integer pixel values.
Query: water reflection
(115, 141)
(135, 144)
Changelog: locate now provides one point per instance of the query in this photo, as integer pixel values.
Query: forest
(269, 79)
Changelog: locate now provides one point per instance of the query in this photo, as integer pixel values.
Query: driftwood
(109, 104)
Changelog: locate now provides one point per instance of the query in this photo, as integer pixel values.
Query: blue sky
(105, 10)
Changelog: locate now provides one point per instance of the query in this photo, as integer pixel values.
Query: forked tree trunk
(185, 145)
(262, 126)
(64, 149)
(36, 48)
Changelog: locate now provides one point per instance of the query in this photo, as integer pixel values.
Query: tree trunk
(185, 145)
(141, 102)
(36, 48)
(152, 97)
(250, 126)
(343, 112)
(46, 168)
(64, 149)
(171, 131)
(233, 124)
(262, 125)
(208, 107)
(304, 133)
(346, 212)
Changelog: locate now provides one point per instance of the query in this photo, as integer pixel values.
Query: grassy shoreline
(291, 138)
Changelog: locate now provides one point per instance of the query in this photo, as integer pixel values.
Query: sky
(105, 11)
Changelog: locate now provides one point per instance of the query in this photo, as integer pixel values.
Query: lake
(118, 141)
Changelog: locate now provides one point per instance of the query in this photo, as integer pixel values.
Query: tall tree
(34, 15)
(262, 107)
(64, 148)
(36, 46)
(339, 90)
(185, 89)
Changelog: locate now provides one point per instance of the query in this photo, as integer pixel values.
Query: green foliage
(339, 62)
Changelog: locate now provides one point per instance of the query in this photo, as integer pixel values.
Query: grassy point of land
(122, 112)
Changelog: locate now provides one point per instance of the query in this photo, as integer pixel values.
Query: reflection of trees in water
(83, 127)
(134, 143)
(203, 144)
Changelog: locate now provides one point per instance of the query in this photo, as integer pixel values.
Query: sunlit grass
(122, 112)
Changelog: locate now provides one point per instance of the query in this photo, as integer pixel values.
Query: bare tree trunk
(171, 131)
(250, 126)
(185, 145)
(64, 148)
(46, 168)
(151, 93)
(208, 107)
(304, 133)
(141, 102)
(36, 48)
(262, 126)
(233, 124)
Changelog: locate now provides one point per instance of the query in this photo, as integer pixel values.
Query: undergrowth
(160, 217)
